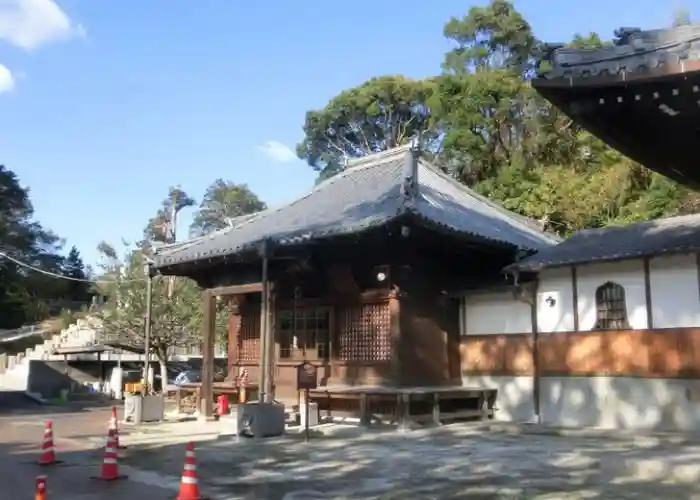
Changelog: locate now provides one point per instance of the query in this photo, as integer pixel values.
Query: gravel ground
(343, 462)
(452, 462)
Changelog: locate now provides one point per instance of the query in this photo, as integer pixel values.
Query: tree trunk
(162, 356)
(163, 375)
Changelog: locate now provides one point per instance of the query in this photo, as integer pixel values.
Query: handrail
(22, 332)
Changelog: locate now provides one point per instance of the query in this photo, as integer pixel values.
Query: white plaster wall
(620, 403)
(514, 399)
(557, 315)
(494, 313)
(675, 296)
(629, 274)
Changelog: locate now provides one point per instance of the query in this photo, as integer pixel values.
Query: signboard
(307, 376)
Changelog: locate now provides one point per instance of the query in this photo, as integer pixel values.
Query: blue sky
(105, 104)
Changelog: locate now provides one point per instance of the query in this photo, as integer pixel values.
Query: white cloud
(7, 81)
(277, 151)
(31, 23)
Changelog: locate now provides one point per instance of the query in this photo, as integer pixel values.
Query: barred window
(611, 308)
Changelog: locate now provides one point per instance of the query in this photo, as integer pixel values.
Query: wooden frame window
(611, 307)
(304, 333)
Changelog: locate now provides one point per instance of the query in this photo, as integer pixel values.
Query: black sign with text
(307, 376)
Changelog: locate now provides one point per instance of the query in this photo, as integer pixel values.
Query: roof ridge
(366, 162)
(181, 245)
(377, 157)
(622, 227)
(521, 219)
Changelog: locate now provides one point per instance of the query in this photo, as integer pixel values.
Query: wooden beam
(208, 338)
(223, 291)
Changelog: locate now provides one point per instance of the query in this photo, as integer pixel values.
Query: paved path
(453, 462)
(77, 433)
(15, 401)
(449, 463)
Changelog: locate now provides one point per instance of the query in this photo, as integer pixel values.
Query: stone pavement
(78, 445)
(452, 462)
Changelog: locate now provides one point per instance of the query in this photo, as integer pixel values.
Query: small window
(304, 333)
(611, 308)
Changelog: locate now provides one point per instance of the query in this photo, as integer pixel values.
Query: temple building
(359, 278)
(410, 293)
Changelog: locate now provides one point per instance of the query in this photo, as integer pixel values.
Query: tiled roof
(636, 50)
(371, 192)
(642, 239)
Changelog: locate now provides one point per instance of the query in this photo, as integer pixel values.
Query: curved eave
(582, 76)
(651, 118)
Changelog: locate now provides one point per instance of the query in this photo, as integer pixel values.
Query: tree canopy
(223, 201)
(176, 313)
(483, 123)
(380, 114)
(28, 296)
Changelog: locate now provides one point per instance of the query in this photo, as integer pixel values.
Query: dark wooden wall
(403, 330)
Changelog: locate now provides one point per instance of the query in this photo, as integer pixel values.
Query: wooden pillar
(264, 395)
(235, 323)
(273, 351)
(395, 334)
(206, 408)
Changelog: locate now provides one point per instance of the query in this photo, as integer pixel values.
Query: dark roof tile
(367, 194)
(642, 239)
(637, 50)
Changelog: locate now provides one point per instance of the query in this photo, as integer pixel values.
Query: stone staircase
(87, 332)
(14, 368)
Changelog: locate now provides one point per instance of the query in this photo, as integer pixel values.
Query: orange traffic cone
(40, 493)
(189, 487)
(48, 453)
(114, 428)
(110, 469)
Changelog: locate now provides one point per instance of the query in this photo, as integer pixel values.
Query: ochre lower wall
(661, 353)
(497, 355)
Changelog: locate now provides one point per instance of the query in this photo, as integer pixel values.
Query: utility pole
(171, 236)
(147, 326)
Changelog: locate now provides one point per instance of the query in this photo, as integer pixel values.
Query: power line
(60, 276)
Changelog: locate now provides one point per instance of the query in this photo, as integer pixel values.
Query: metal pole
(171, 237)
(147, 333)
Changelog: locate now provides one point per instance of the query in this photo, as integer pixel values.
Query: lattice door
(364, 333)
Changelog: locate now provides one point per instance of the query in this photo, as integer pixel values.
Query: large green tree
(162, 227)
(223, 201)
(27, 296)
(75, 269)
(488, 128)
(380, 114)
